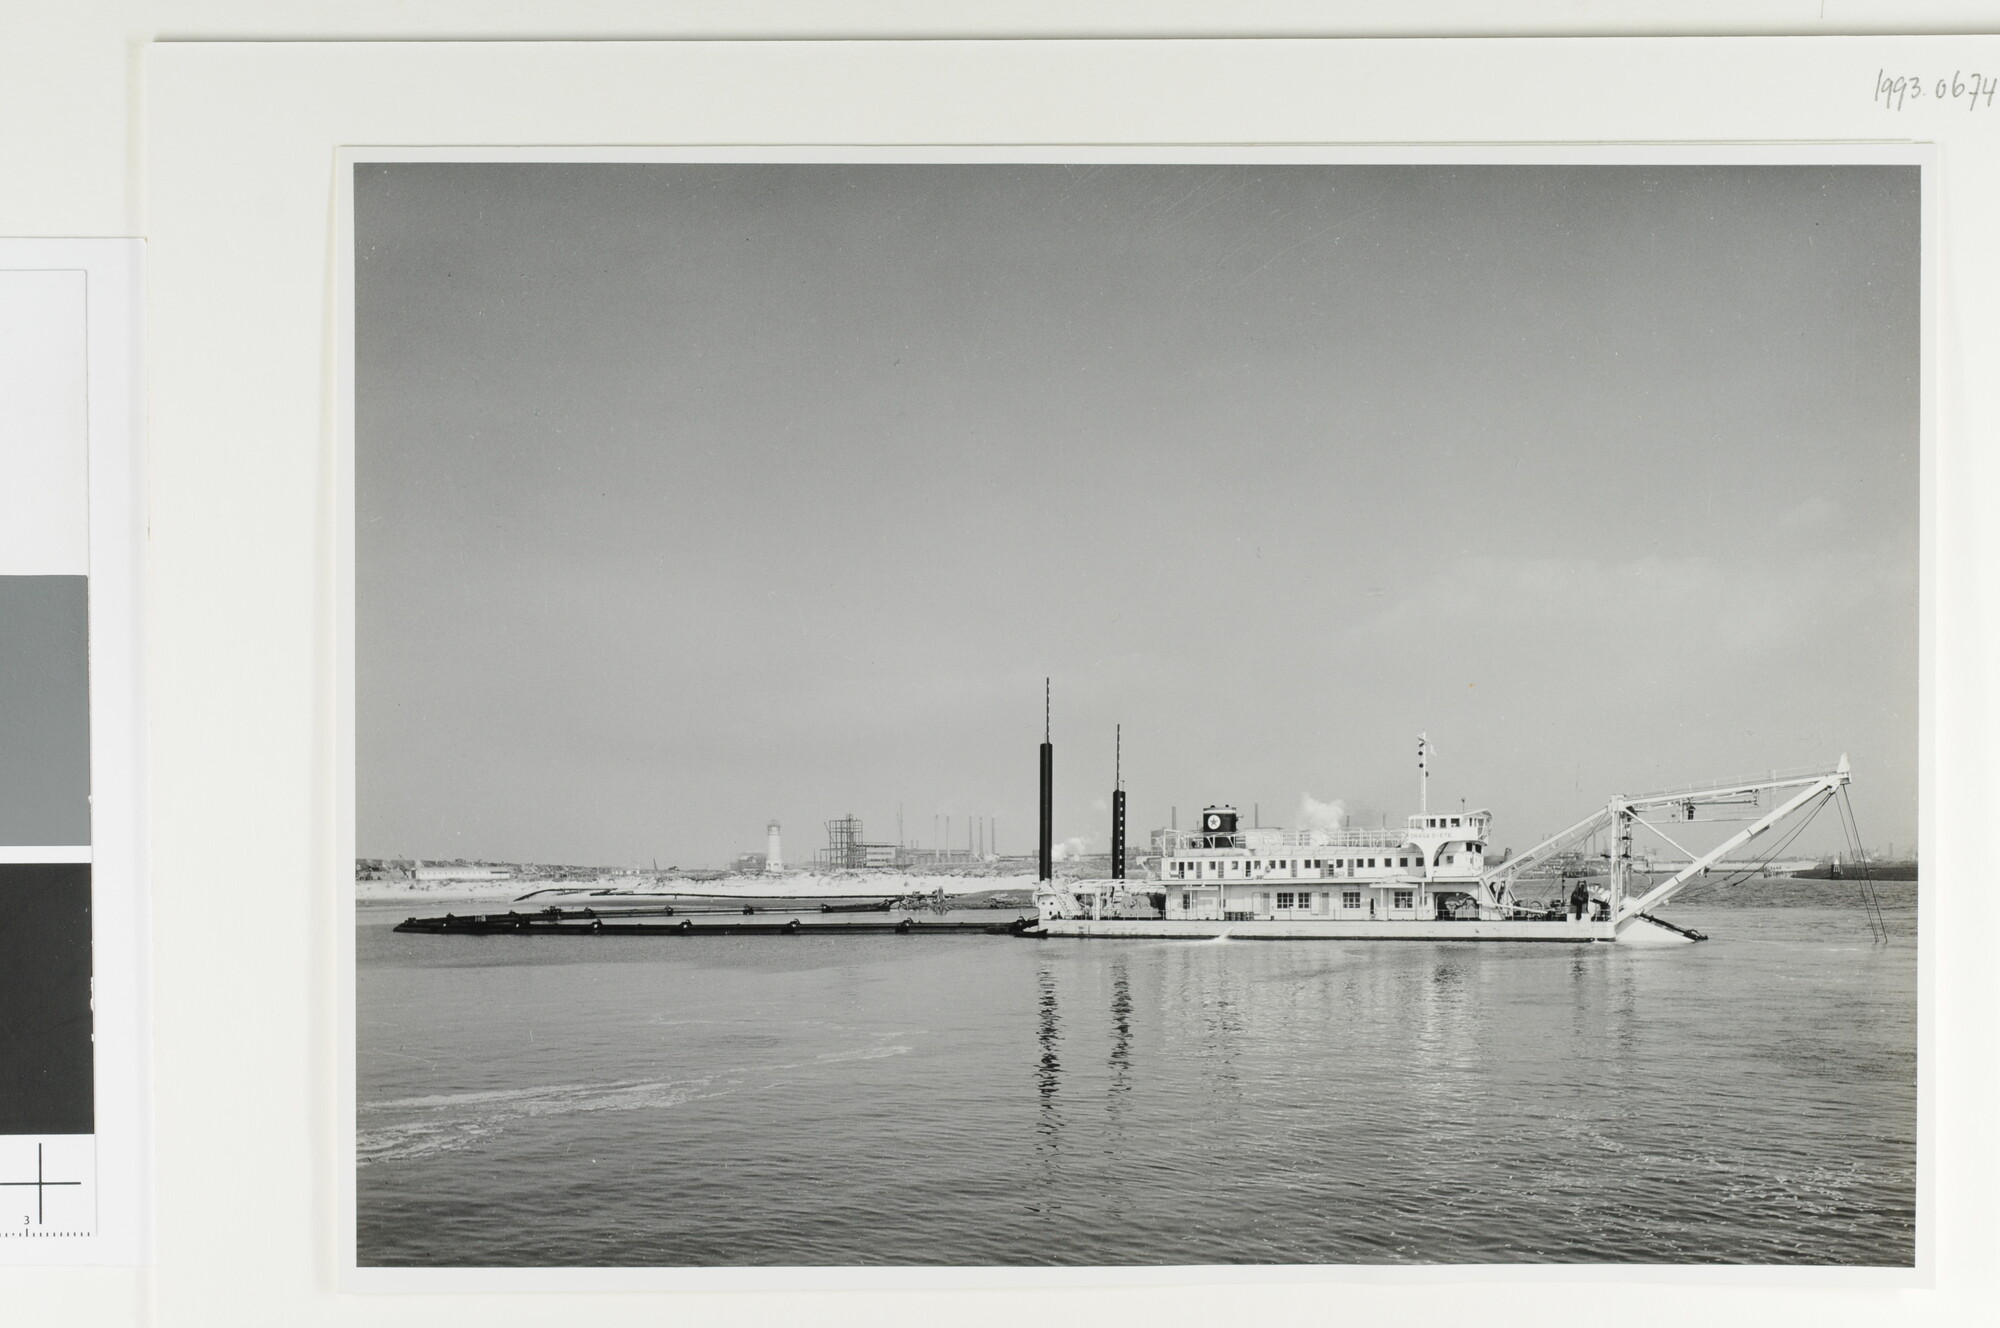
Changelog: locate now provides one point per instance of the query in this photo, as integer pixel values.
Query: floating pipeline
(590, 922)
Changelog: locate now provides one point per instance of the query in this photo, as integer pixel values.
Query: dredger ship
(1435, 878)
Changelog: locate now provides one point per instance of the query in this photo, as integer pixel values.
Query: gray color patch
(44, 710)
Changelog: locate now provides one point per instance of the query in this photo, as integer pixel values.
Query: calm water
(984, 1100)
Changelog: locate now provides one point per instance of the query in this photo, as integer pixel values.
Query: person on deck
(1579, 901)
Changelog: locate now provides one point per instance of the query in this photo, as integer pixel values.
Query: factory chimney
(774, 856)
(1048, 791)
(1117, 804)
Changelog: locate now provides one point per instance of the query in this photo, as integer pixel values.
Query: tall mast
(1423, 772)
(1118, 803)
(1048, 809)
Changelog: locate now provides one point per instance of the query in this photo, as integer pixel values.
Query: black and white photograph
(1144, 711)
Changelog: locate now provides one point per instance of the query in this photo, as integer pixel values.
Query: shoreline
(800, 885)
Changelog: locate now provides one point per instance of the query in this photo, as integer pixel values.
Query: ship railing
(1260, 840)
(1802, 772)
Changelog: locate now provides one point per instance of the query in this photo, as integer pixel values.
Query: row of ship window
(1316, 864)
(1288, 899)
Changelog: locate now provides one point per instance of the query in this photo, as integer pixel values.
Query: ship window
(1350, 899)
(1404, 898)
(1284, 899)
(1187, 900)
(1371, 862)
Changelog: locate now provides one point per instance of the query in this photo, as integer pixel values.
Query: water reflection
(1197, 1005)
(1048, 1070)
(1121, 1044)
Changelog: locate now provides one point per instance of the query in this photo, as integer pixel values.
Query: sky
(693, 496)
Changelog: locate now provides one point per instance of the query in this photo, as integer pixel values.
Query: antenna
(1045, 710)
(1117, 756)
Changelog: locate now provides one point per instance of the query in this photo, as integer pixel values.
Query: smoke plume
(1066, 849)
(1317, 815)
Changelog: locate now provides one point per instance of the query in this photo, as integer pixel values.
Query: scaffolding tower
(843, 845)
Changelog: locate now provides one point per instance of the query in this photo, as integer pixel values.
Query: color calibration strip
(71, 930)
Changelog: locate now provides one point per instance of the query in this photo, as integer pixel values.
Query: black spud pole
(1048, 791)
(1118, 806)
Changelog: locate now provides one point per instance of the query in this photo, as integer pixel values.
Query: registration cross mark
(41, 1185)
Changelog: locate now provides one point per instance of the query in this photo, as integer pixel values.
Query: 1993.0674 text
(1895, 91)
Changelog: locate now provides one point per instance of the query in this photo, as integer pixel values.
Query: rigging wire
(1878, 925)
(1755, 865)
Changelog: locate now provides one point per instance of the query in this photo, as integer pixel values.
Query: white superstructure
(1427, 868)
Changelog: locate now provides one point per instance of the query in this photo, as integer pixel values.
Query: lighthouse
(774, 857)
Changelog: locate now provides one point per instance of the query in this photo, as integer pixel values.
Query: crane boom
(1624, 810)
(1822, 785)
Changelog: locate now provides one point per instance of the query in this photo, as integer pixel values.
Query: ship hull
(1330, 930)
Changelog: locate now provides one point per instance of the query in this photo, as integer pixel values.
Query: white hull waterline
(1642, 931)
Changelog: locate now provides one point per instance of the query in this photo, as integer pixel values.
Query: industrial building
(846, 849)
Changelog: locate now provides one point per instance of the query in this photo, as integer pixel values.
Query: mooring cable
(1851, 826)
